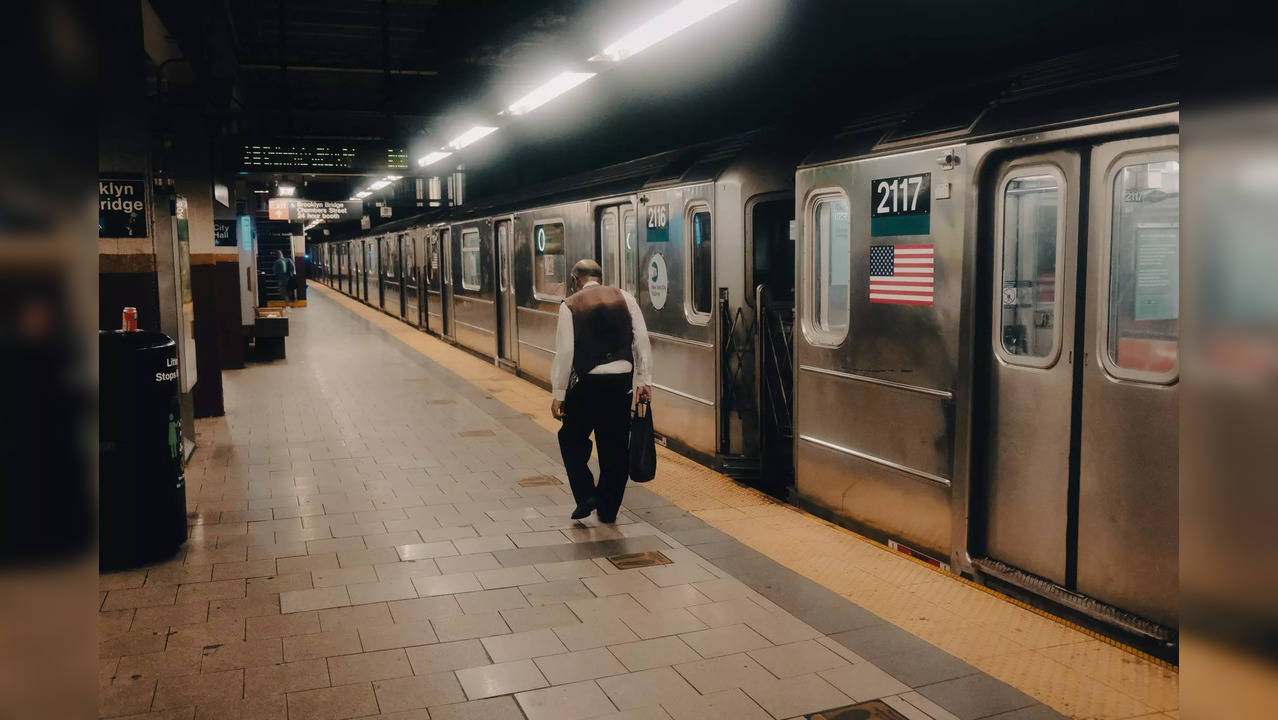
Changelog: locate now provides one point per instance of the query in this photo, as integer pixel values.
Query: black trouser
(599, 404)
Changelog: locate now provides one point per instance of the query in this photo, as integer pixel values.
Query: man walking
(284, 274)
(603, 340)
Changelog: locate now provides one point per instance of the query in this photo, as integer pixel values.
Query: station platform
(379, 528)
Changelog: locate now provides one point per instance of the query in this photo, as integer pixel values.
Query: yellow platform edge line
(346, 300)
(1006, 598)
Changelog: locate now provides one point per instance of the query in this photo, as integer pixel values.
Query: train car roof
(703, 162)
(1075, 88)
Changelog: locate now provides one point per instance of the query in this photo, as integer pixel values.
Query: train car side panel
(473, 308)
(681, 326)
(547, 241)
(876, 341)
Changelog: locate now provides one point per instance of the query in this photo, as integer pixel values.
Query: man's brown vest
(601, 328)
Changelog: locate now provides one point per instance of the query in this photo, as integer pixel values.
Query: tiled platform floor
(361, 547)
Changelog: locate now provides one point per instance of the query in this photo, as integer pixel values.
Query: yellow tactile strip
(1073, 671)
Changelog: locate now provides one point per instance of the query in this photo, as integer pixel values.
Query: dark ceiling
(413, 72)
(380, 69)
(364, 69)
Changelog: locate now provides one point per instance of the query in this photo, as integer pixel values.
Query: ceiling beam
(336, 69)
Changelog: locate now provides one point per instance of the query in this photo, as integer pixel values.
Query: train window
(410, 259)
(503, 251)
(471, 267)
(831, 267)
(629, 251)
(701, 265)
(1143, 310)
(550, 271)
(1029, 252)
(432, 271)
(608, 245)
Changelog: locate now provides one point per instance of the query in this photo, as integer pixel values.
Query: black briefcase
(643, 445)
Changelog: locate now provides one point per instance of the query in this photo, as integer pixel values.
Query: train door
(615, 246)
(372, 274)
(629, 250)
(507, 325)
(410, 277)
(352, 263)
(446, 259)
(1127, 501)
(344, 272)
(379, 271)
(1035, 250)
(355, 254)
(334, 273)
(1080, 458)
(352, 268)
(770, 290)
(391, 297)
(396, 304)
(607, 245)
(396, 244)
(433, 297)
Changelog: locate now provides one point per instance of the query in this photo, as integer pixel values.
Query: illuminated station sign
(295, 210)
(353, 158)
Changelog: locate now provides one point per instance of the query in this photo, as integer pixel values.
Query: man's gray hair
(587, 268)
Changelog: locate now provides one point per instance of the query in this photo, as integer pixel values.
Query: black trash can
(142, 487)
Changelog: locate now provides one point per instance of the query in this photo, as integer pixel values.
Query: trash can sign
(142, 485)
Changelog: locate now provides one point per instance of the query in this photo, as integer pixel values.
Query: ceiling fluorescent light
(379, 184)
(393, 178)
(362, 194)
(556, 86)
(476, 133)
(662, 26)
(287, 190)
(433, 157)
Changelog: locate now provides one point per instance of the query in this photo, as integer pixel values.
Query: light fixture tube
(551, 89)
(683, 15)
(476, 133)
(433, 157)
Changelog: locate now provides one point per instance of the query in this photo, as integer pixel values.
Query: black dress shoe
(583, 510)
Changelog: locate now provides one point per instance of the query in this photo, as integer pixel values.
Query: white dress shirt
(561, 368)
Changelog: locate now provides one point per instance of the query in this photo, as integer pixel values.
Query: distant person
(601, 338)
(285, 276)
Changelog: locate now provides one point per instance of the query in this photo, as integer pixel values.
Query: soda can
(130, 319)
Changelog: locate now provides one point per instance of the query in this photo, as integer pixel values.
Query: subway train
(952, 326)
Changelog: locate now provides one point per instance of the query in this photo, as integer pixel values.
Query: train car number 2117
(901, 205)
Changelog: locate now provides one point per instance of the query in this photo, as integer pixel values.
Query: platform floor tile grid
(373, 535)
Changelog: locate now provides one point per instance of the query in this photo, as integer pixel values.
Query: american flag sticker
(901, 274)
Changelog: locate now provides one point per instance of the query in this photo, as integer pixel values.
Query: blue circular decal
(658, 281)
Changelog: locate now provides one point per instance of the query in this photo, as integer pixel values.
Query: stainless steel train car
(986, 343)
(952, 327)
(681, 230)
